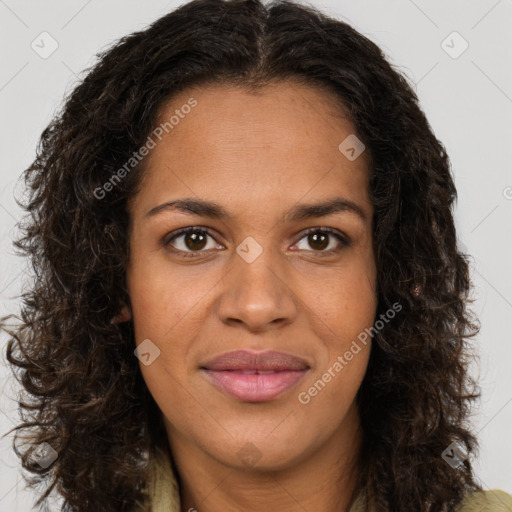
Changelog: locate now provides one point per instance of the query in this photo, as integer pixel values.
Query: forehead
(277, 144)
(240, 118)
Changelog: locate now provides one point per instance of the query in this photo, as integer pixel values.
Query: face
(268, 274)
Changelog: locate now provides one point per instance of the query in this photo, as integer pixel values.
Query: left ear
(123, 316)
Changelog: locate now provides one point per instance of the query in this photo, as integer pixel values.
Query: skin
(257, 155)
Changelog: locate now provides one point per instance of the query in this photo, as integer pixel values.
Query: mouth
(255, 377)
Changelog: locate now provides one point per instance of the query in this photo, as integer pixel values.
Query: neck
(324, 480)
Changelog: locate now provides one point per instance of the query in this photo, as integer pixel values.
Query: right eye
(193, 240)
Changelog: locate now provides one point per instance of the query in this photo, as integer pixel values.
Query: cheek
(331, 390)
(344, 295)
(343, 316)
(168, 309)
(346, 303)
(356, 305)
(164, 301)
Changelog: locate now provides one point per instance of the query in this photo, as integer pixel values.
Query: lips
(244, 360)
(255, 377)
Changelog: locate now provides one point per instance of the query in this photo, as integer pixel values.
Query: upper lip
(244, 360)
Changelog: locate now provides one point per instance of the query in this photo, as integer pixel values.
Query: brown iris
(315, 239)
(195, 241)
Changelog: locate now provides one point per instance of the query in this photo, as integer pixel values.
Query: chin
(256, 450)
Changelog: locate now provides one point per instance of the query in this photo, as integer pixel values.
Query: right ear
(123, 316)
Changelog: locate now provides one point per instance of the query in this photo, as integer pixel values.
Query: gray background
(466, 96)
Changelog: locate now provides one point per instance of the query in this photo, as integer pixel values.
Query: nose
(258, 294)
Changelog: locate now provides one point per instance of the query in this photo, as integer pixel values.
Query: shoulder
(163, 483)
(486, 501)
(482, 501)
(163, 489)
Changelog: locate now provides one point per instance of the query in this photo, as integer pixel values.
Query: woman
(248, 292)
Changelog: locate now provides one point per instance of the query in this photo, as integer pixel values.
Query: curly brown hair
(83, 390)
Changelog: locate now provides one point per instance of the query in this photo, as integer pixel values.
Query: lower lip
(255, 387)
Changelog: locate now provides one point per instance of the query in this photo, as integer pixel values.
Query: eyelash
(345, 241)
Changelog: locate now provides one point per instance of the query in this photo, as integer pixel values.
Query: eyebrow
(299, 212)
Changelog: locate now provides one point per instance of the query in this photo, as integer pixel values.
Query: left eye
(194, 240)
(320, 236)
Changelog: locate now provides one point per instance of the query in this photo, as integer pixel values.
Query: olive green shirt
(165, 496)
